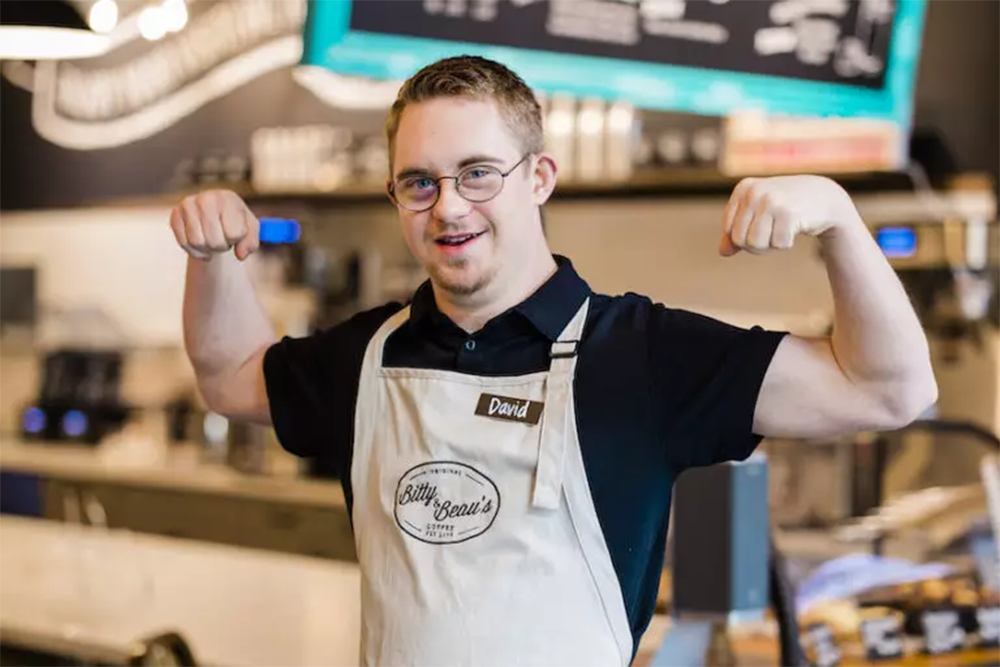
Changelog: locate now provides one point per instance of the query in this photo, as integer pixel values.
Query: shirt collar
(549, 308)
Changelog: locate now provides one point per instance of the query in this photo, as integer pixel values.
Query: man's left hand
(768, 213)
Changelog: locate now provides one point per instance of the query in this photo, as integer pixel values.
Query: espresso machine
(951, 271)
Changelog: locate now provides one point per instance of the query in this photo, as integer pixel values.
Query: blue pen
(279, 230)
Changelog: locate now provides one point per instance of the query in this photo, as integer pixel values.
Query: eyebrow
(466, 162)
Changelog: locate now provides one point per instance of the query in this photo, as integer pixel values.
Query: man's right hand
(212, 222)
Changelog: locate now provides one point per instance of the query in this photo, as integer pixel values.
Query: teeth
(457, 240)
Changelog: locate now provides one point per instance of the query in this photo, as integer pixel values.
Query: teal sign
(709, 57)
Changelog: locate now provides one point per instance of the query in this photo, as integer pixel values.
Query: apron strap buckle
(564, 349)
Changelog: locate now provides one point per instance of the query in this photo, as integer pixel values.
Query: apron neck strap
(557, 428)
(566, 345)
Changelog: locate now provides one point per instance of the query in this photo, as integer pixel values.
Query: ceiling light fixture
(46, 30)
(103, 16)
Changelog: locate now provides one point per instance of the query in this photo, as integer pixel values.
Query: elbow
(216, 390)
(904, 403)
(212, 395)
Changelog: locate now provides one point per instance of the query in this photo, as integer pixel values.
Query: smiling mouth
(456, 240)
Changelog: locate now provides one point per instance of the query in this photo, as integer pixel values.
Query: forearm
(224, 324)
(877, 338)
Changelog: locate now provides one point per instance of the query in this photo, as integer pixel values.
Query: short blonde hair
(478, 78)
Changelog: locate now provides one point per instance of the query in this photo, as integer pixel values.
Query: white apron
(475, 529)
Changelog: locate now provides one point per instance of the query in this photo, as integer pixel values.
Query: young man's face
(465, 245)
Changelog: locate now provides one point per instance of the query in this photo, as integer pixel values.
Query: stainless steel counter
(179, 471)
(174, 493)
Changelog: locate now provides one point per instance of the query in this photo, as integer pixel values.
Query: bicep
(806, 394)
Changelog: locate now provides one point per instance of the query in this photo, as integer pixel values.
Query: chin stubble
(460, 288)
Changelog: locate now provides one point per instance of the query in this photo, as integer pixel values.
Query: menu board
(813, 57)
(839, 41)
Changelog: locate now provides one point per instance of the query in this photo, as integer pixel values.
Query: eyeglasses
(477, 184)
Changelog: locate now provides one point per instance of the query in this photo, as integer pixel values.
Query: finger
(783, 236)
(726, 247)
(739, 193)
(177, 226)
(211, 224)
(180, 233)
(759, 236)
(741, 226)
(251, 239)
(192, 226)
(729, 215)
(234, 221)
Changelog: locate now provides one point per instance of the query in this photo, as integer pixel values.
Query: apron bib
(475, 529)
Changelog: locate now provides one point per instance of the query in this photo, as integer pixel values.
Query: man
(508, 440)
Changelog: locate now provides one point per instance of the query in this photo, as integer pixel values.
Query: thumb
(726, 246)
(251, 239)
(247, 245)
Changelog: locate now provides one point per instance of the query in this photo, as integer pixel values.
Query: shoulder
(639, 313)
(674, 342)
(631, 314)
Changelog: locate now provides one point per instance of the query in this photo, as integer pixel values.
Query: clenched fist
(212, 222)
(765, 213)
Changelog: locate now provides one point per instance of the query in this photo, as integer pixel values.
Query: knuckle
(191, 202)
(757, 193)
(234, 228)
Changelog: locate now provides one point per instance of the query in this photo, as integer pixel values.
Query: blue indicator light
(34, 420)
(74, 423)
(897, 241)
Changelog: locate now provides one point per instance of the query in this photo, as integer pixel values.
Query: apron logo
(445, 502)
(511, 409)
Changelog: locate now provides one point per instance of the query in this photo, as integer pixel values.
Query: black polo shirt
(657, 390)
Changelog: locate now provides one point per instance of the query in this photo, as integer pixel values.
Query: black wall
(958, 85)
(958, 97)
(37, 174)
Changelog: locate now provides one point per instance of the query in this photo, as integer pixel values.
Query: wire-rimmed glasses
(477, 184)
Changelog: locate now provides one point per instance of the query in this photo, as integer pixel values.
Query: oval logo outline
(469, 472)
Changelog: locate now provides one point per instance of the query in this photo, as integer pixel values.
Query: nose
(450, 205)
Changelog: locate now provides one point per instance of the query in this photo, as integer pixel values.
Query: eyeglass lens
(477, 184)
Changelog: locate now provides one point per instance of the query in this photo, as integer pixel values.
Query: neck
(472, 312)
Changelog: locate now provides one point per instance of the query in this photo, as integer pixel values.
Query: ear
(544, 178)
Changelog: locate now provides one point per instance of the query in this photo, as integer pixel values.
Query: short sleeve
(312, 385)
(706, 379)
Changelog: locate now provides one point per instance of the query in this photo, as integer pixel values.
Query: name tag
(510, 409)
